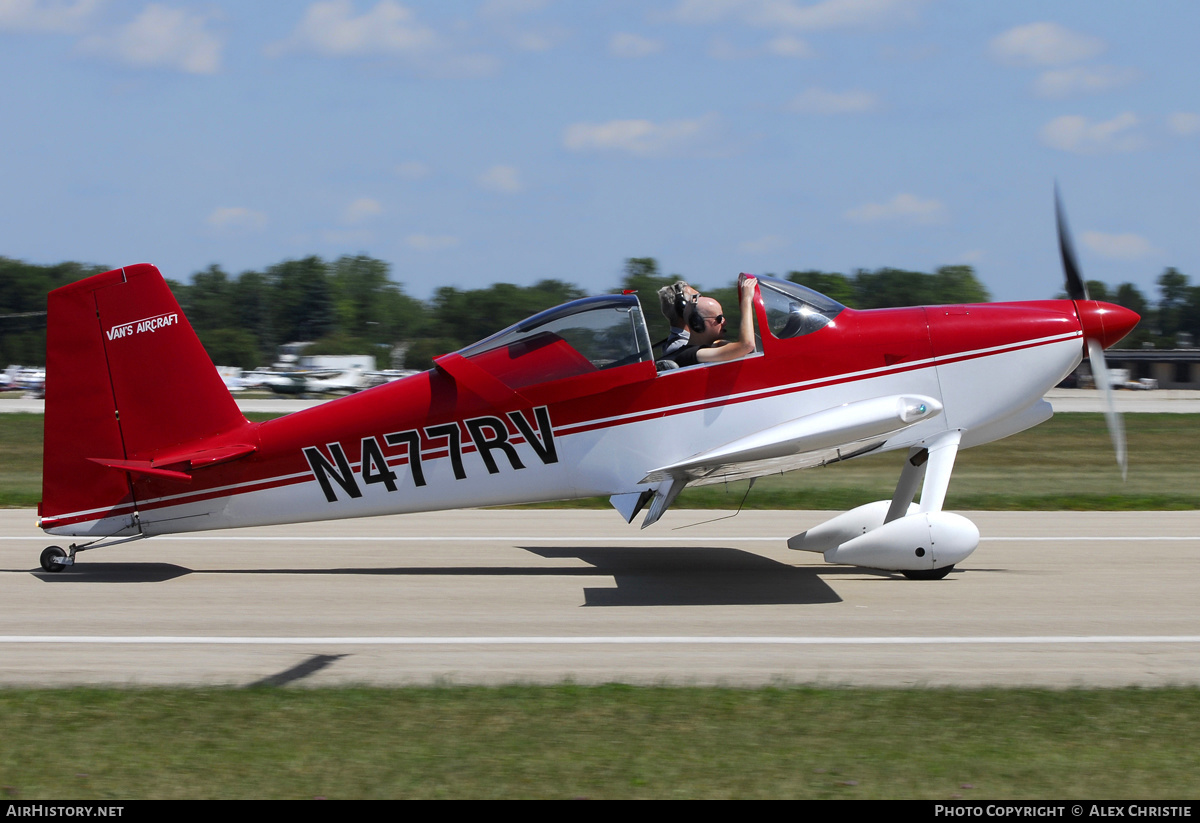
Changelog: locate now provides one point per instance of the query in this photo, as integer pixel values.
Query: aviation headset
(682, 302)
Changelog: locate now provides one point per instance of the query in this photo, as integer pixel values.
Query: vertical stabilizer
(126, 379)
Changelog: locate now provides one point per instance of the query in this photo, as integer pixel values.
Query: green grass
(599, 742)
(1065, 463)
(20, 460)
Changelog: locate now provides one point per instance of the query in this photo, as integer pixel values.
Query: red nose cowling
(1105, 322)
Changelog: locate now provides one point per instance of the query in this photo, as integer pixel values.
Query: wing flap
(831, 434)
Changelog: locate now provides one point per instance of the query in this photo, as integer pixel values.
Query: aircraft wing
(822, 437)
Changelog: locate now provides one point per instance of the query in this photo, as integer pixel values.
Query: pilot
(678, 304)
(706, 345)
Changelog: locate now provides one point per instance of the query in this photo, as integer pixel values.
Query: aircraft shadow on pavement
(644, 576)
(693, 576)
(114, 573)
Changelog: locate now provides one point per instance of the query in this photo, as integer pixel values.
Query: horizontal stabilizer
(825, 436)
(182, 463)
(201, 458)
(144, 467)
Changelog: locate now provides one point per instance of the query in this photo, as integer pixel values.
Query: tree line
(352, 306)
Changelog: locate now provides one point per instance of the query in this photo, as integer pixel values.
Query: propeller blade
(1116, 426)
(1076, 287)
(1077, 290)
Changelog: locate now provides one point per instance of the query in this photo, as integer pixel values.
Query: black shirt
(686, 356)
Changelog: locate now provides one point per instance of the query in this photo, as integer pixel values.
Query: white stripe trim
(846, 376)
(178, 640)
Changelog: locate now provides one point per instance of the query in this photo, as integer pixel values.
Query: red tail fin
(126, 379)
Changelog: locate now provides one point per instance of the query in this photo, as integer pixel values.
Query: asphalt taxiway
(1048, 599)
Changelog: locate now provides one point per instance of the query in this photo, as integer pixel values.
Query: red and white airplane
(142, 438)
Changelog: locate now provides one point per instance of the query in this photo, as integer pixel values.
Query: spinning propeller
(1092, 319)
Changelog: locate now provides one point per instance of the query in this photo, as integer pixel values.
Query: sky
(468, 143)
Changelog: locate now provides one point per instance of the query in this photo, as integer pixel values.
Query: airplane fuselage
(458, 436)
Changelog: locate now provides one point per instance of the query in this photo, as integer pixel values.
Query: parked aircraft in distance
(566, 404)
(19, 378)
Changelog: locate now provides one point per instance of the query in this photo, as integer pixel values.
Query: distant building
(337, 362)
(1172, 368)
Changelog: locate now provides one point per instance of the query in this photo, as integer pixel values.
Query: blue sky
(468, 143)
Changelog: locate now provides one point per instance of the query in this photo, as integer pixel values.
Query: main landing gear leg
(910, 478)
(935, 462)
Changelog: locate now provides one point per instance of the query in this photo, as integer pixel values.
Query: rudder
(126, 379)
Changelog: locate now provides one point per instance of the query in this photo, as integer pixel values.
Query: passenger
(706, 345)
(678, 304)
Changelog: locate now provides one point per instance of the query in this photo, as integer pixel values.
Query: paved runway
(1052, 599)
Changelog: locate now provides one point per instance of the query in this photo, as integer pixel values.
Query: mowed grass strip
(20, 460)
(1065, 463)
(21, 438)
(599, 742)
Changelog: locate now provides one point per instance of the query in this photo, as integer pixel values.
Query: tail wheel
(51, 559)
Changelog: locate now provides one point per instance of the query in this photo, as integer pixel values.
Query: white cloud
(1118, 246)
(642, 138)
(362, 209)
(763, 245)
(236, 219)
(1182, 122)
(62, 16)
(903, 207)
(820, 101)
(412, 170)
(789, 14)
(161, 37)
(1082, 80)
(1044, 44)
(504, 17)
(430, 242)
(504, 179)
(1074, 133)
(624, 44)
(542, 39)
(722, 49)
(785, 45)
(332, 29)
(511, 8)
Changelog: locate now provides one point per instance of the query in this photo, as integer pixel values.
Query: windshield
(794, 310)
(607, 331)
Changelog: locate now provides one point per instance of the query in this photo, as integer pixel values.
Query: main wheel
(929, 574)
(51, 559)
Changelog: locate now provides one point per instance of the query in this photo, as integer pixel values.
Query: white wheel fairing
(927, 540)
